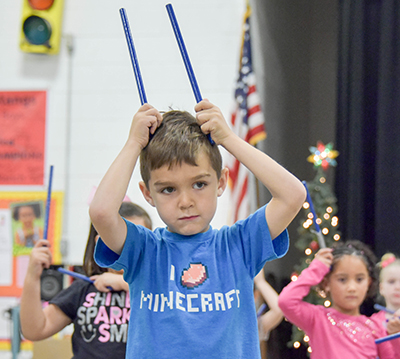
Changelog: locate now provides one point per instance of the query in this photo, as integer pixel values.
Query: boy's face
(185, 196)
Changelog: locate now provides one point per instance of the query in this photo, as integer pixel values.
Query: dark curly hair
(357, 248)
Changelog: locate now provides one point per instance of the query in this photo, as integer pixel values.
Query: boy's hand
(325, 256)
(144, 123)
(212, 122)
(39, 258)
(393, 324)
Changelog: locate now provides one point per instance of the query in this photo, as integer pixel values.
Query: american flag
(247, 122)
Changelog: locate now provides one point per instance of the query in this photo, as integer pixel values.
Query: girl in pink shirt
(347, 274)
(389, 288)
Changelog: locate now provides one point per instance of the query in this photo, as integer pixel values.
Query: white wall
(92, 91)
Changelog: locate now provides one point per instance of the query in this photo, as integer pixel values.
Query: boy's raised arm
(104, 207)
(288, 193)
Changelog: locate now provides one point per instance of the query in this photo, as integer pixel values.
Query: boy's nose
(185, 200)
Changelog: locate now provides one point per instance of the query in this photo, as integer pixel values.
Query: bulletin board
(21, 224)
(22, 137)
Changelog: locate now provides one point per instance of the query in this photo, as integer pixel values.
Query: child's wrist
(134, 145)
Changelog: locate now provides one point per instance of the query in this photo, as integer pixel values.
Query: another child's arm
(38, 323)
(290, 300)
(393, 324)
(288, 193)
(274, 316)
(112, 189)
(104, 281)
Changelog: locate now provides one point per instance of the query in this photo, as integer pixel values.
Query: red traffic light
(41, 4)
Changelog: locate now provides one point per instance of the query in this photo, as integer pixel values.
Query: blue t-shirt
(192, 296)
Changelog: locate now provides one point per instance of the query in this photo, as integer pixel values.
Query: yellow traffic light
(41, 26)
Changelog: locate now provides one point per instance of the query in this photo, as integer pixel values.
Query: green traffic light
(37, 30)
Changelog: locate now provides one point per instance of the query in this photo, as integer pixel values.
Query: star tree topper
(323, 155)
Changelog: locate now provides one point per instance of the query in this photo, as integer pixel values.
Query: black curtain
(368, 124)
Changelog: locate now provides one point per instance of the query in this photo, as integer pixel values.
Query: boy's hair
(178, 140)
(357, 248)
(129, 209)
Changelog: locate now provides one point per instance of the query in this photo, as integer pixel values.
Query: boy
(192, 286)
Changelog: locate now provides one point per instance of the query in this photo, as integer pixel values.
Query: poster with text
(22, 137)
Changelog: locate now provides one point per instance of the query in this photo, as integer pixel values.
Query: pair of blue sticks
(182, 48)
(142, 95)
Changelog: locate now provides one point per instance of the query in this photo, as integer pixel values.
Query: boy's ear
(146, 193)
(223, 181)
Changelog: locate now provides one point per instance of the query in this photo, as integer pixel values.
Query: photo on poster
(27, 225)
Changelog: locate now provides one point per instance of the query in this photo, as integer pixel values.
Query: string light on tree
(323, 157)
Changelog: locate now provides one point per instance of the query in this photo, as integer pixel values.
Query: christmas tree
(323, 204)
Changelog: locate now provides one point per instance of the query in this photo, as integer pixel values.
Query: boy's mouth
(188, 218)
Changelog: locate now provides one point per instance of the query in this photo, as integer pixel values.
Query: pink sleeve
(396, 345)
(291, 302)
(389, 348)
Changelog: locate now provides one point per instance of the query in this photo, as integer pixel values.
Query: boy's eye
(199, 185)
(167, 190)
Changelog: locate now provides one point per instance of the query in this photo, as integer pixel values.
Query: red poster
(22, 137)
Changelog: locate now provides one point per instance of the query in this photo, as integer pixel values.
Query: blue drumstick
(261, 310)
(381, 307)
(77, 275)
(389, 337)
(321, 240)
(132, 52)
(185, 57)
(184, 53)
(48, 204)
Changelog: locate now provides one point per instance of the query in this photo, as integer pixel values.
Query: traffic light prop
(41, 26)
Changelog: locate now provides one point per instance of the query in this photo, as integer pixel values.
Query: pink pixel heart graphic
(195, 275)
